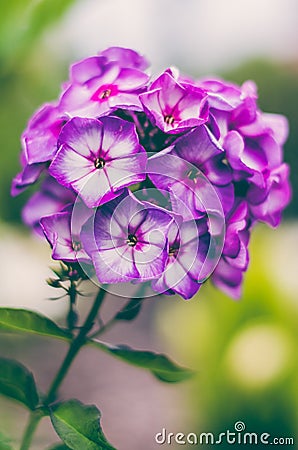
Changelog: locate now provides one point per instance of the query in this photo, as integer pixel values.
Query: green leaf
(133, 307)
(5, 442)
(160, 365)
(18, 383)
(131, 310)
(22, 320)
(79, 426)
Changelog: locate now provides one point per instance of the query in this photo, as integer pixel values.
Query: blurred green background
(245, 352)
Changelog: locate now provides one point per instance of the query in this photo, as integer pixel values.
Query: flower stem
(73, 350)
(138, 295)
(75, 347)
(34, 419)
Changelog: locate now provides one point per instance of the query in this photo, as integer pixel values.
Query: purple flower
(98, 85)
(228, 274)
(49, 199)
(174, 106)
(40, 137)
(250, 158)
(186, 267)
(39, 145)
(255, 154)
(225, 96)
(214, 168)
(97, 158)
(125, 57)
(194, 172)
(278, 196)
(253, 143)
(63, 230)
(28, 176)
(127, 240)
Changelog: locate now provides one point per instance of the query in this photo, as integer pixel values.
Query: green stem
(72, 315)
(75, 347)
(139, 294)
(73, 350)
(34, 419)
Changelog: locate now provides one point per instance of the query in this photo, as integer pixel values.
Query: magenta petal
(270, 209)
(94, 188)
(228, 279)
(155, 227)
(218, 171)
(279, 126)
(115, 265)
(57, 229)
(170, 92)
(84, 136)
(119, 139)
(149, 260)
(177, 279)
(68, 166)
(198, 146)
(242, 259)
(125, 100)
(130, 79)
(40, 137)
(226, 196)
(174, 107)
(88, 68)
(28, 176)
(126, 171)
(234, 146)
(245, 113)
(76, 101)
(221, 94)
(125, 57)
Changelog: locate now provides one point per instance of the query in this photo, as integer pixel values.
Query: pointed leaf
(131, 310)
(133, 307)
(22, 320)
(79, 426)
(18, 383)
(160, 365)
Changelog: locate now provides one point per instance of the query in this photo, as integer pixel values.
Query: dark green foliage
(17, 382)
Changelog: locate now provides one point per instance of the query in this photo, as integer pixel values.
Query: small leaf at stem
(21, 320)
(79, 426)
(133, 307)
(17, 382)
(131, 310)
(160, 365)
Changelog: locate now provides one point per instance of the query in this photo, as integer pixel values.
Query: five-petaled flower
(100, 84)
(127, 240)
(63, 230)
(174, 106)
(97, 158)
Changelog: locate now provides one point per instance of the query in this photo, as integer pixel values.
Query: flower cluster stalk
(73, 350)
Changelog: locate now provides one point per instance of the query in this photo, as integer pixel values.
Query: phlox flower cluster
(157, 179)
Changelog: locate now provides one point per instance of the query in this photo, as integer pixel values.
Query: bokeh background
(245, 352)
